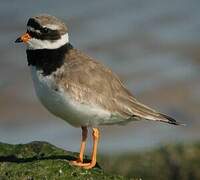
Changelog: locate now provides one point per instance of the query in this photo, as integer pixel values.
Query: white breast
(61, 104)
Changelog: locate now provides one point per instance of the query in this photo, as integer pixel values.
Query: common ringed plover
(77, 88)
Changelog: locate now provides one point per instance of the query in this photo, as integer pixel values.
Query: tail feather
(141, 111)
(170, 120)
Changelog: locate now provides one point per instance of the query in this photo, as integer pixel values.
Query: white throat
(34, 43)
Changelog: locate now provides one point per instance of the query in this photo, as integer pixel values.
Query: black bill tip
(18, 40)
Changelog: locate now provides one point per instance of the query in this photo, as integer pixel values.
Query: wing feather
(89, 82)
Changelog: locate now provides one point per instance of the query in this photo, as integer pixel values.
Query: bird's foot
(83, 165)
(76, 162)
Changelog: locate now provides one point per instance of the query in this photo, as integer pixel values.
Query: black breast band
(48, 60)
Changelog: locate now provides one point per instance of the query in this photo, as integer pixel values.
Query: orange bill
(24, 38)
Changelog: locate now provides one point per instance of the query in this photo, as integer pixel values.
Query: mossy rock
(41, 160)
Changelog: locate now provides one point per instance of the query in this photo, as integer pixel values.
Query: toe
(89, 166)
(78, 163)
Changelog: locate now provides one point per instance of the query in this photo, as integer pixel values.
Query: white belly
(60, 103)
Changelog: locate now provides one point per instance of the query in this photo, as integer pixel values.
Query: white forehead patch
(34, 43)
(29, 28)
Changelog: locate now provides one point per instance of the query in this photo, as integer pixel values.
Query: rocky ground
(41, 160)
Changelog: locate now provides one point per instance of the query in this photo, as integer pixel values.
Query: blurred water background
(152, 45)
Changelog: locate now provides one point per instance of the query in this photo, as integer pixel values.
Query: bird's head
(44, 32)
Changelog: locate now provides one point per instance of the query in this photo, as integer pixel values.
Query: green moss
(41, 160)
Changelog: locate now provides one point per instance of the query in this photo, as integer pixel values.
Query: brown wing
(89, 82)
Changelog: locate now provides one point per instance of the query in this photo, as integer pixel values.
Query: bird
(76, 87)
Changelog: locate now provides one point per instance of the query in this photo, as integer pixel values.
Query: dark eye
(45, 30)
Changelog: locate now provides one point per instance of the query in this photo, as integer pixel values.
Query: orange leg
(90, 165)
(82, 148)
